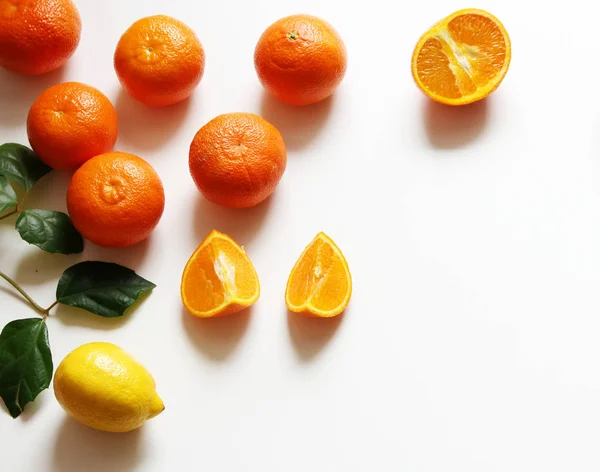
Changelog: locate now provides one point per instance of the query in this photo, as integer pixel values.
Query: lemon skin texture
(103, 387)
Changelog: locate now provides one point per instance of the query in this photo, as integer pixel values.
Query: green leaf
(25, 363)
(8, 197)
(21, 165)
(102, 288)
(51, 231)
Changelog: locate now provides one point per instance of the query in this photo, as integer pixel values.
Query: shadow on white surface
(452, 127)
(11, 292)
(37, 267)
(242, 224)
(79, 448)
(132, 256)
(31, 408)
(298, 125)
(50, 192)
(9, 222)
(216, 338)
(20, 91)
(72, 316)
(145, 127)
(309, 336)
(3, 409)
(41, 402)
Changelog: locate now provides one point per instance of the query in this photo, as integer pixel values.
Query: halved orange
(320, 284)
(463, 58)
(219, 279)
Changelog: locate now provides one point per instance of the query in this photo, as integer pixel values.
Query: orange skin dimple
(115, 199)
(463, 58)
(37, 36)
(219, 278)
(114, 191)
(70, 123)
(300, 59)
(320, 284)
(159, 60)
(237, 159)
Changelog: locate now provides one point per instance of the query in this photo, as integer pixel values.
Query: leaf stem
(38, 308)
(47, 310)
(11, 213)
(21, 202)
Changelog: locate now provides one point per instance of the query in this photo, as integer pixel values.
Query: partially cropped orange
(70, 123)
(237, 159)
(115, 199)
(159, 60)
(320, 284)
(300, 59)
(463, 58)
(219, 279)
(37, 36)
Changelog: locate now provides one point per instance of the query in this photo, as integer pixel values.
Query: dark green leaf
(8, 197)
(102, 288)
(25, 363)
(51, 231)
(21, 165)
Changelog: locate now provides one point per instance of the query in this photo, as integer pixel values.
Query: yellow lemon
(103, 387)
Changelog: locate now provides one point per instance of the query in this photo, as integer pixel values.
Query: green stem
(21, 202)
(47, 310)
(27, 297)
(9, 213)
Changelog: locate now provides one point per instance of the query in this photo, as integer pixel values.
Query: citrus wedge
(320, 284)
(219, 279)
(463, 58)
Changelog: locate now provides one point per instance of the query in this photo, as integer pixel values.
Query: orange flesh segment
(320, 283)
(463, 57)
(218, 275)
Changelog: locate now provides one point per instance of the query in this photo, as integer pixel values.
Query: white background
(473, 235)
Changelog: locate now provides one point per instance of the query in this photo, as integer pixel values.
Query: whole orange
(70, 123)
(159, 60)
(237, 159)
(37, 36)
(300, 59)
(115, 199)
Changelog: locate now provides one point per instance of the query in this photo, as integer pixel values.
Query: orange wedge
(219, 279)
(320, 284)
(463, 58)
